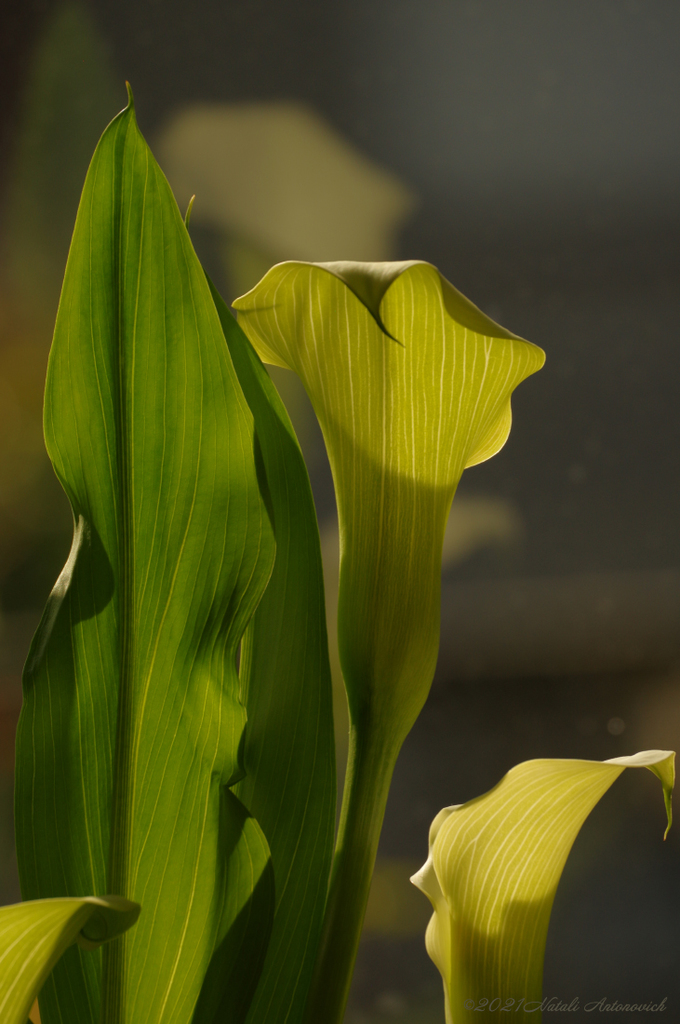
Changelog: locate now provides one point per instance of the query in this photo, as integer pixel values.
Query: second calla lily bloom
(411, 384)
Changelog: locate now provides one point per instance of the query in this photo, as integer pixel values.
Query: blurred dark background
(531, 151)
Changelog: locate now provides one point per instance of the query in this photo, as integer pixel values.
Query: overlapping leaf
(132, 726)
(289, 757)
(493, 871)
(34, 935)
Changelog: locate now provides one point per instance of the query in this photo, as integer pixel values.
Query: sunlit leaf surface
(493, 871)
(132, 725)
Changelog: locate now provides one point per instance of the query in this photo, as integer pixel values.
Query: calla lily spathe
(411, 384)
(492, 873)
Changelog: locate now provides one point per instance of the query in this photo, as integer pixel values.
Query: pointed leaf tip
(187, 215)
(131, 99)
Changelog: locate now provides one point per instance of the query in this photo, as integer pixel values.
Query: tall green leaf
(290, 781)
(34, 935)
(132, 726)
(492, 874)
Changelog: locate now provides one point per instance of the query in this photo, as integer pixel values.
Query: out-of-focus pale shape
(492, 873)
(279, 177)
(476, 523)
(394, 908)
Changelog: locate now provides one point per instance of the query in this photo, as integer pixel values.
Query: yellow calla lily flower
(492, 873)
(411, 384)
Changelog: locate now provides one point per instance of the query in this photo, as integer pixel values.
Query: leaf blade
(290, 783)
(133, 724)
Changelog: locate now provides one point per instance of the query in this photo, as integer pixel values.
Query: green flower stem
(370, 765)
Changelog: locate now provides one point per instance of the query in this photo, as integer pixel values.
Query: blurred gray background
(530, 150)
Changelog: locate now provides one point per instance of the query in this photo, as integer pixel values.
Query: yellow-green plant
(135, 773)
(411, 383)
(492, 873)
(147, 765)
